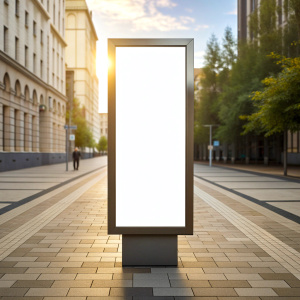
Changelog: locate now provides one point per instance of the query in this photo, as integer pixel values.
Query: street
(54, 242)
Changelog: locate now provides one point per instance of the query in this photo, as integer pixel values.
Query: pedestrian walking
(76, 156)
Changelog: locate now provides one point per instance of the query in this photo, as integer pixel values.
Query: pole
(210, 142)
(285, 153)
(67, 148)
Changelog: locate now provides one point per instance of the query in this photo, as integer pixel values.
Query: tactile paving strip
(282, 253)
(15, 238)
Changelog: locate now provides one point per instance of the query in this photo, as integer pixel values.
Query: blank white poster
(150, 136)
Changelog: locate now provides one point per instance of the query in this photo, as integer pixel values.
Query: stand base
(149, 250)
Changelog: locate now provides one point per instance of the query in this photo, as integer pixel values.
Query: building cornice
(60, 37)
(42, 9)
(76, 8)
(14, 64)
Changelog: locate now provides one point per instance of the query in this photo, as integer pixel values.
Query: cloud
(199, 53)
(143, 15)
(198, 27)
(233, 12)
(165, 3)
(199, 59)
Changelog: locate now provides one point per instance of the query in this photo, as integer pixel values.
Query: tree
(209, 82)
(244, 77)
(278, 104)
(247, 72)
(102, 144)
(83, 135)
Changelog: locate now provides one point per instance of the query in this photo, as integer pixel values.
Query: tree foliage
(254, 63)
(218, 62)
(278, 104)
(102, 144)
(83, 135)
(253, 85)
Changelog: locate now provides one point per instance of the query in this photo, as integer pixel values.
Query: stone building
(103, 124)
(32, 83)
(81, 38)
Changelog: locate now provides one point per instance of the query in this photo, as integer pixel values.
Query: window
(62, 67)
(57, 65)
(53, 61)
(26, 18)
(42, 37)
(17, 7)
(253, 5)
(41, 69)
(5, 39)
(34, 63)
(34, 28)
(16, 48)
(26, 56)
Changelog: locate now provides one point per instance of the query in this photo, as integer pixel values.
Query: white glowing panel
(150, 136)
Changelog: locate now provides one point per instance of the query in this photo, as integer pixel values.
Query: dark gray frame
(189, 46)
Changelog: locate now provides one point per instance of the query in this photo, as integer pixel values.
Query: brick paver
(237, 251)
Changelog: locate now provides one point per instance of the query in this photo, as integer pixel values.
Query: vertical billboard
(150, 136)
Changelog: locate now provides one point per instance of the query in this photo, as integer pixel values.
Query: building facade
(81, 38)
(32, 83)
(103, 124)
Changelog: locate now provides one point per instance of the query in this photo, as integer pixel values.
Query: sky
(197, 19)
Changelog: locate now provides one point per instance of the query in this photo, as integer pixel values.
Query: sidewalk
(27, 184)
(292, 171)
(59, 248)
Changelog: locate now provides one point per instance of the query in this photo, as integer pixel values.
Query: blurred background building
(81, 38)
(104, 124)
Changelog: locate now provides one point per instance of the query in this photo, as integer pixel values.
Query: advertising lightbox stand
(150, 147)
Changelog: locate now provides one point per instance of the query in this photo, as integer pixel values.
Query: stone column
(35, 134)
(18, 126)
(22, 130)
(1, 127)
(28, 132)
(45, 133)
(61, 139)
(9, 129)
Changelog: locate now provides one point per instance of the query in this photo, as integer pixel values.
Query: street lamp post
(210, 147)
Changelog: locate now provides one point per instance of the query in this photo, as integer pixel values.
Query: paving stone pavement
(58, 248)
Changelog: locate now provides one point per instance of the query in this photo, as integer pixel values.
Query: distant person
(76, 156)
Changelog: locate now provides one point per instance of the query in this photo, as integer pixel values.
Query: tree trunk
(266, 151)
(285, 153)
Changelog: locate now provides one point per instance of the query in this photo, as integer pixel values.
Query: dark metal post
(285, 133)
